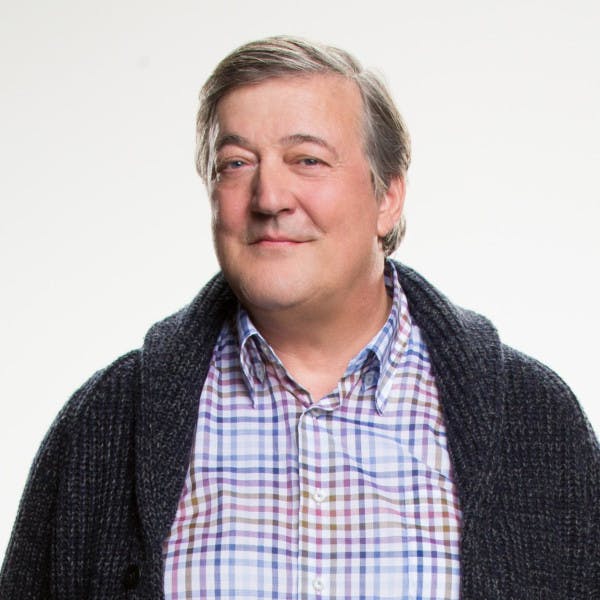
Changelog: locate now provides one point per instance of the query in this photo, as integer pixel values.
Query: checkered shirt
(350, 497)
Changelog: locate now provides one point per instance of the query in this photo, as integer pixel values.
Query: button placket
(312, 495)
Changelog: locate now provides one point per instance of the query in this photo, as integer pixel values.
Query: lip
(275, 243)
(272, 240)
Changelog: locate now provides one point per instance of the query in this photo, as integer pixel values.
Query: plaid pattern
(351, 497)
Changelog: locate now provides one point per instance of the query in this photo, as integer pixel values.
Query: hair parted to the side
(387, 143)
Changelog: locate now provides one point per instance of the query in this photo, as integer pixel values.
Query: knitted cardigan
(104, 487)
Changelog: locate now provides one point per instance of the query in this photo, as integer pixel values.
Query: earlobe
(391, 206)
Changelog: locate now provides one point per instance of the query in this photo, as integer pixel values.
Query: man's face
(295, 218)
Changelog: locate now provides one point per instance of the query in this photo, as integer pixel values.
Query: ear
(391, 205)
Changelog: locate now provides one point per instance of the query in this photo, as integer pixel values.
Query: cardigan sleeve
(555, 481)
(26, 570)
(39, 554)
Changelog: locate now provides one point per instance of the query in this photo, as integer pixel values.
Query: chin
(269, 299)
(271, 293)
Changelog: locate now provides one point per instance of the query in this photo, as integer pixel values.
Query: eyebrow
(233, 139)
(302, 138)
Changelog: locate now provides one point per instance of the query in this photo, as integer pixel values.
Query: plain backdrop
(105, 225)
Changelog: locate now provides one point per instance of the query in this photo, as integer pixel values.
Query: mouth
(267, 241)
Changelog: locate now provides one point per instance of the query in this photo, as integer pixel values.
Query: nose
(271, 190)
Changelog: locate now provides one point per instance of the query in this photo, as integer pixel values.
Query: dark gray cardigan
(104, 486)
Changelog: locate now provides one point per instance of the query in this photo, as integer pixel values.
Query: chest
(332, 498)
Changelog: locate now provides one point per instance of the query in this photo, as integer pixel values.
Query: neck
(315, 347)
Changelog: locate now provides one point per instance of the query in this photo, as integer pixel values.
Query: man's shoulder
(116, 386)
(528, 371)
(543, 416)
(198, 321)
(438, 315)
(465, 342)
(108, 390)
(444, 315)
(539, 394)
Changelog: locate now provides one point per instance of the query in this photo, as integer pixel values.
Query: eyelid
(227, 162)
(223, 162)
(316, 161)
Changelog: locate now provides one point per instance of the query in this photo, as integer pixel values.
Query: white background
(104, 225)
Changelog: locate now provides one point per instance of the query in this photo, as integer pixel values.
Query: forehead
(316, 103)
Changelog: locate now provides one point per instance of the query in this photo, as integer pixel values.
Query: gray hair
(387, 143)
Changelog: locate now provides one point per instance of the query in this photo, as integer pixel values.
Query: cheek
(327, 202)
(228, 214)
(349, 205)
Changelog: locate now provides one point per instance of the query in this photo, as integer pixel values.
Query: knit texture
(104, 487)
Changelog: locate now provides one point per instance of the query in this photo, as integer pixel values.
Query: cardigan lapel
(175, 360)
(467, 362)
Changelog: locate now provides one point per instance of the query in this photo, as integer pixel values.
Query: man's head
(300, 214)
(386, 141)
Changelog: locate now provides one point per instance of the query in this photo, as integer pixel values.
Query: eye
(230, 165)
(309, 161)
(230, 168)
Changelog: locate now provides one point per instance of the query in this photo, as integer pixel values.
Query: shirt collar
(377, 360)
(255, 352)
(381, 356)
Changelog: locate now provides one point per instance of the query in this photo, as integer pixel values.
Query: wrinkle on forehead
(339, 95)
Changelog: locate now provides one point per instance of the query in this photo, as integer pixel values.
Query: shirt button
(318, 496)
(369, 379)
(318, 585)
(259, 372)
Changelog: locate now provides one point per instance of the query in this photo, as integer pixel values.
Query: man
(319, 421)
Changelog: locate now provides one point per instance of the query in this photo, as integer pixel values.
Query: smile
(275, 243)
